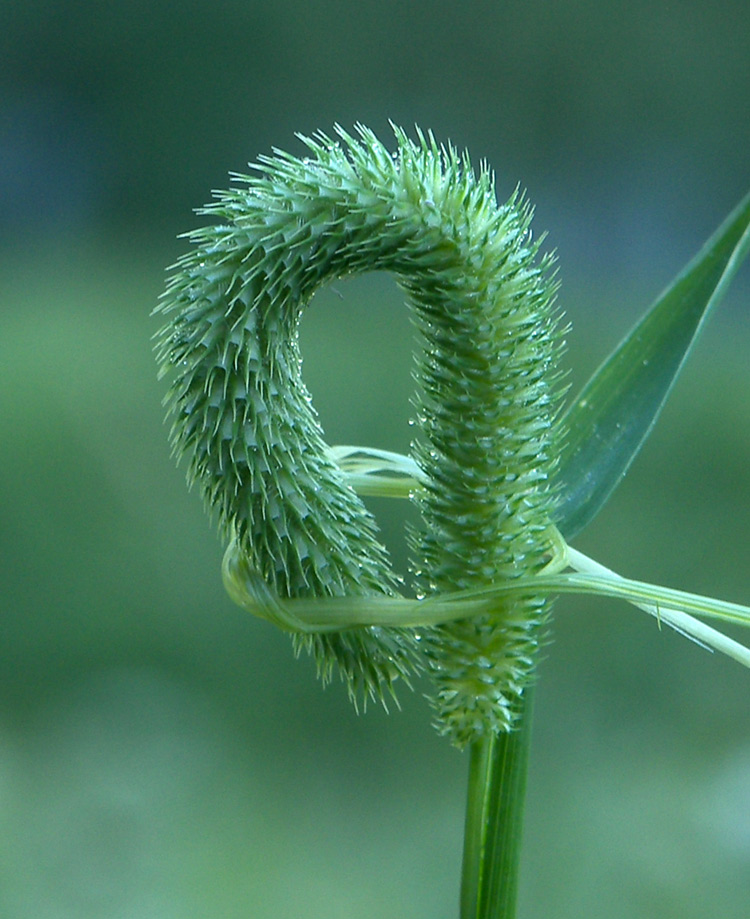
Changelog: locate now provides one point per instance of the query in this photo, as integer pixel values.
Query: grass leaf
(614, 413)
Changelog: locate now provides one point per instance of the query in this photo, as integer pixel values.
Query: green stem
(494, 822)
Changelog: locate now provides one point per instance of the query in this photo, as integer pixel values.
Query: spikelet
(483, 303)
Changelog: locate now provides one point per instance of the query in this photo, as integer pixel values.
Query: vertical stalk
(494, 821)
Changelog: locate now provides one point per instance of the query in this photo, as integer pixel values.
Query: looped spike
(483, 303)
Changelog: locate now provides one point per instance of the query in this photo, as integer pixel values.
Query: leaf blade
(613, 415)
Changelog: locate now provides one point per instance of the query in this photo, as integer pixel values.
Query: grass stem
(494, 822)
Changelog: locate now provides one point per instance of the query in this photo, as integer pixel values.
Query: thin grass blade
(613, 415)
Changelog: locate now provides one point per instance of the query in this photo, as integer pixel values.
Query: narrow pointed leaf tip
(611, 418)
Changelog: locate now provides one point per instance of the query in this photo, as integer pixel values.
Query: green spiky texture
(242, 415)
(487, 414)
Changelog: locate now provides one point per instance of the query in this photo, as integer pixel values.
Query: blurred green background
(161, 753)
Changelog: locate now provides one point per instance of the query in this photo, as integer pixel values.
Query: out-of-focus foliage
(131, 111)
(161, 754)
